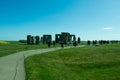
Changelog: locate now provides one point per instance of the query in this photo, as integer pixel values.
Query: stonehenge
(64, 37)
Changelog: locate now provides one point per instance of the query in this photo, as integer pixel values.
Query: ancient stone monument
(47, 38)
(33, 40)
(65, 38)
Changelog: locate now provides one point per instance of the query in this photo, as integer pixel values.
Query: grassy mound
(4, 42)
(88, 63)
(11, 47)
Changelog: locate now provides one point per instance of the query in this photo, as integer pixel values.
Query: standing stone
(65, 37)
(47, 38)
(41, 40)
(88, 42)
(74, 38)
(32, 40)
(37, 38)
(79, 40)
(93, 42)
(49, 44)
(62, 44)
(56, 38)
(28, 39)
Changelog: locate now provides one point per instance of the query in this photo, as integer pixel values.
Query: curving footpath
(12, 66)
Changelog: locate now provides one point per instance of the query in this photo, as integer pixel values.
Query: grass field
(87, 63)
(15, 46)
(10, 47)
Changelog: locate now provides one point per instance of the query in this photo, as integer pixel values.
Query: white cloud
(108, 28)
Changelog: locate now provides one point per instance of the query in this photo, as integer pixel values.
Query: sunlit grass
(4, 42)
(11, 47)
(87, 63)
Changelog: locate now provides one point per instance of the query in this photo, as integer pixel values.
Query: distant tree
(23, 41)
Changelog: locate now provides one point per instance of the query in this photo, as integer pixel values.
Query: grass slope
(88, 63)
(14, 46)
(10, 47)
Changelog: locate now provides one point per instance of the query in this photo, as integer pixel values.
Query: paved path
(12, 66)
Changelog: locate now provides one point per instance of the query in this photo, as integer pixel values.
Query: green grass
(14, 46)
(87, 63)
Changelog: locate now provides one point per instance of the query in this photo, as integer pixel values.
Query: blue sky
(88, 19)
